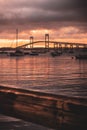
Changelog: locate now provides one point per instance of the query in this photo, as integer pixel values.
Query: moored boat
(82, 54)
(3, 53)
(18, 52)
(33, 53)
(55, 53)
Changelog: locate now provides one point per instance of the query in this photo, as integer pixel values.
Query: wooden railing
(53, 111)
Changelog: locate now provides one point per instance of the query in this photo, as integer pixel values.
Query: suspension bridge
(48, 43)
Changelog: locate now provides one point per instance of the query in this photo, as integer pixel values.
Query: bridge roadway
(55, 43)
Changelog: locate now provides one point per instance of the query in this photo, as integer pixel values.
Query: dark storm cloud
(31, 14)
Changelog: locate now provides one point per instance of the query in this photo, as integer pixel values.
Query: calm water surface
(59, 75)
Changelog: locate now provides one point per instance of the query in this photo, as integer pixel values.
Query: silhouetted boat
(3, 53)
(33, 53)
(18, 51)
(82, 54)
(55, 53)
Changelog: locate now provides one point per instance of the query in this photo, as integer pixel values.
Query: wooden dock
(53, 111)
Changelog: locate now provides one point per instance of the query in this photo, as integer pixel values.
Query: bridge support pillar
(71, 48)
(77, 46)
(65, 47)
(60, 47)
(47, 41)
(55, 45)
(31, 41)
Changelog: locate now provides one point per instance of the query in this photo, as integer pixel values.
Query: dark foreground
(52, 111)
(8, 123)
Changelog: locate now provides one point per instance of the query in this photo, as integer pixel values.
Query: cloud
(42, 14)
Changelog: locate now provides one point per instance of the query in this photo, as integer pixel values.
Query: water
(59, 75)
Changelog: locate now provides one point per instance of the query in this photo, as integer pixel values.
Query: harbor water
(61, 75)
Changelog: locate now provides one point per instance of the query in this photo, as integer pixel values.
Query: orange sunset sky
(63, 20)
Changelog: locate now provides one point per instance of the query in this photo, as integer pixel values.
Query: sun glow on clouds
(39, 34)
(64, 34)
(5, 43)
(69, 30)
(63, 20)
(12, 43)
(40, 31)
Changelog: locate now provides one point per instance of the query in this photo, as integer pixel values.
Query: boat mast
(16, 38)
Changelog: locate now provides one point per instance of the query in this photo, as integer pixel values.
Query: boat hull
(55, 54)
(81, 57)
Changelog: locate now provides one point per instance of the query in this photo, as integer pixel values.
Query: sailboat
(18, 51)
(3, 53)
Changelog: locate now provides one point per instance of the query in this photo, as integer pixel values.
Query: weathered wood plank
(55, 111)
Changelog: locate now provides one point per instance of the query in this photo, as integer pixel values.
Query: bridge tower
(46, 41)
(31, 41)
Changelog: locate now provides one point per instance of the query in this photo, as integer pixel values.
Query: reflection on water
(60, 75)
